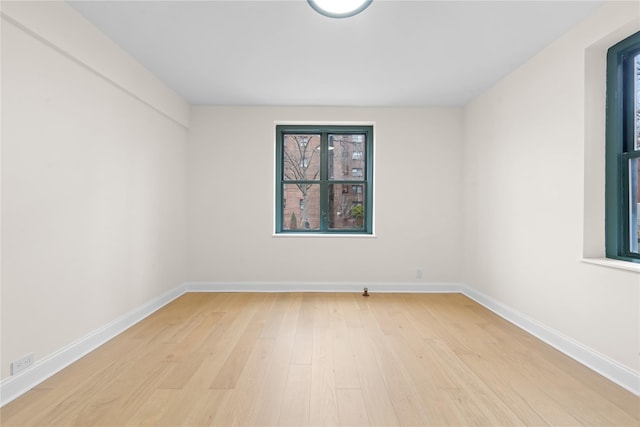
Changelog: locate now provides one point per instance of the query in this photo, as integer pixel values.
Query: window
(623, 150)
(315, 165)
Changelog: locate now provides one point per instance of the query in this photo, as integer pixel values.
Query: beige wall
(525, 198)
(417, 199)
(93, 182)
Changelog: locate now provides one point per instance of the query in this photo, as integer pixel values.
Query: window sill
(339, 235)
(614, 263)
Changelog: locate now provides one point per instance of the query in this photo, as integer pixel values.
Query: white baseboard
(16, 385)
(404, 287)
(605, 366)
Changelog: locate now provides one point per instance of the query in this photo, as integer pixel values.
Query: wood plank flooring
(324, 359)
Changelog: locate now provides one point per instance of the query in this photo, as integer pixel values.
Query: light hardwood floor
(324, 359)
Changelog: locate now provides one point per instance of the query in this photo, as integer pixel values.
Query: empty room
(257, 213)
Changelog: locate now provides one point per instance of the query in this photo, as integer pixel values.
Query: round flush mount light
(339, 8)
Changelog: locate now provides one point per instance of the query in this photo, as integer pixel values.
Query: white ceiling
(396, 53)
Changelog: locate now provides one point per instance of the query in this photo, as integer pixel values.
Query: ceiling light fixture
(339, 8)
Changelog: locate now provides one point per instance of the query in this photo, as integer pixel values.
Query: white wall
(524, 182)
(93, 181)
(417, 199)
(105, 206)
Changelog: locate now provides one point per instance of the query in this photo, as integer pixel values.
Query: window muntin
(623, 150)
(636, 82)
(315, 173)
(632, 185)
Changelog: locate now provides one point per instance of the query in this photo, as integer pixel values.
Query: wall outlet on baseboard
(419, 273)
(21, 364)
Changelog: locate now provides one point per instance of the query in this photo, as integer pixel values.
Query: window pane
(347, 157)
(346, 206)
(301, 206)
(636, 70)
(301, 157)
(634, 233)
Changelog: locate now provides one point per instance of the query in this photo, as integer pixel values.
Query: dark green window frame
(358, 184)
(622, 150)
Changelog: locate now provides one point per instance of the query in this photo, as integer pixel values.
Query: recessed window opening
(623, 150)
(321, 186)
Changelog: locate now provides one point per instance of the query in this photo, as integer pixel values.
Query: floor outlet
(21, 364)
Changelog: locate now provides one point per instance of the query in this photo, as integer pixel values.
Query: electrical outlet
(419, 273)
(21, 364)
